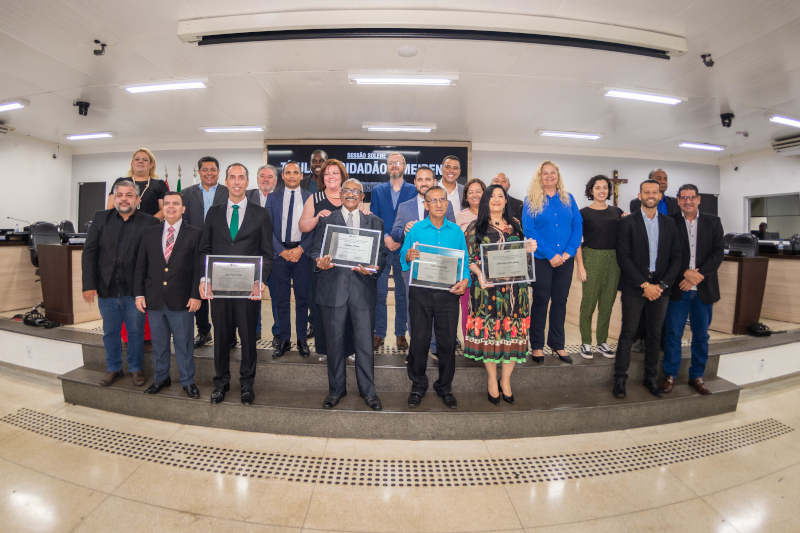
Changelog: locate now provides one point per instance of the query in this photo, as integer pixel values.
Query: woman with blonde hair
(551, 217)
(151, 188)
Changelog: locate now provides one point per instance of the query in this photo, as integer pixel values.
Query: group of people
(145, 262)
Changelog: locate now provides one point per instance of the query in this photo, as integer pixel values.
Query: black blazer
(633, 253)
(337, 284)
(193, 200)
(672, 205)
(253, 238)
(103, 245)
(515, 208)
(170, 283)
(709, 254)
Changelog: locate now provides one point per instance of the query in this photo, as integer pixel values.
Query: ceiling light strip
(570, 134)
(83, 136)
(234, 129)
(786, 121)
(11, 105)
(644, 96)
(702, 146)
(166, 86)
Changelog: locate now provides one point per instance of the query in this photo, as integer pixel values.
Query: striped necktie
(235, 222)
(170, 243)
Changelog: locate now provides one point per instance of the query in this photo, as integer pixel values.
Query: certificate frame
(486, 265)
(416, 264)
(242, 261)
(331, 238)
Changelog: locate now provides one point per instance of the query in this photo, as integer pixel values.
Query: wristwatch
(663, 286)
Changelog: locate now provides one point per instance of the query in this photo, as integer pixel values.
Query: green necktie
(235, 222)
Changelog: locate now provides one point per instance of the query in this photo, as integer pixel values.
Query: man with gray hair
(109, 265)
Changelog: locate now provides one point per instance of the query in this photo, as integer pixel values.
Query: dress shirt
(229, 212)
(662, 206)
(262, 198)
(297, 212)
(453, 196)
(164, 235)
(395, 196)
(557, 228)
(421, 207)
(652, 238)
(691, 229)
(356, 217)
(208, 198)
(448, 236)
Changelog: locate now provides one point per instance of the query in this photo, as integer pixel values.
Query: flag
(179, 184)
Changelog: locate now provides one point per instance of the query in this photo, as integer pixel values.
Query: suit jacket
(672, 205)
(336, 285)
(275, 206)
(460, 188)
(407, 211)
(381, 202)
(308, 183)
(103, 245)
(633, 253)
(515, 208)
(173, 283)
(253, 238)
(254, 196)
(708, 256)
(193, 200)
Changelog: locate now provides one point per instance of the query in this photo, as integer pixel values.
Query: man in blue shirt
(386, 198)
(435, 308)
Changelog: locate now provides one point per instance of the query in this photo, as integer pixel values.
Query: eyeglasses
(684, 198)
(437, 201)
(354, 192)
(394, 163)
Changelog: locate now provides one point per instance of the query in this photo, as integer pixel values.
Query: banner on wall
(367, 162)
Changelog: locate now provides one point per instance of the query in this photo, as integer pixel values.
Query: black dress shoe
(202, 339)
(539, 359)
(233, 342)
(566, 359)
(219, 393)
(619, 388)
(374, 403)
(653, 386)
(302, 345)
(494, 400)
(331, 401)
(248, 395)
(450, 401)
(414, 399)
(276, 342)
(509, 399)
(310, 331)
(192, 391)
(282, 349)
(156, 387)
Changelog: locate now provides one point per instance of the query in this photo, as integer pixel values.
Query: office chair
(42, 233)
(66, 226)
(86, 227)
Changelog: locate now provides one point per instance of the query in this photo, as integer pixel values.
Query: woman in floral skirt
(498, 323)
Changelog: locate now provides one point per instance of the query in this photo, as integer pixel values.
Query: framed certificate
(437, 267)
(350, 247)
(503, 263)
(233, 276)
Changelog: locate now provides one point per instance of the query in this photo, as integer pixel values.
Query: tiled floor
(50, 485)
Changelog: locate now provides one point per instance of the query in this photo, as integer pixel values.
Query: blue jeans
(699, 315)
(276, 329)
(114, 312)
(400, 301)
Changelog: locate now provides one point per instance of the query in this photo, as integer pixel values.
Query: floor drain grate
(391, 472)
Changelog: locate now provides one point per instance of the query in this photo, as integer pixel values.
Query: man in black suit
(696, 290)
(237, 227)
(109, 264)
(198, 199)
(354, 291)
(166, 286)
(649, 256)
(667, 205)
(514, 205)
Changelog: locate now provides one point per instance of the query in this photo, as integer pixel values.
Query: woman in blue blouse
(551, 217)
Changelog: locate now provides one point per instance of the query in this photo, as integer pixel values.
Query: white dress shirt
(296, 214)
(164, 235)
(453, 196)
(421, 207)
(229, 212)
(356, 217)
(691, 229)
(262, 198)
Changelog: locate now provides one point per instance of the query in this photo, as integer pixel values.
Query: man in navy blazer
(386, 200)
(292, 265)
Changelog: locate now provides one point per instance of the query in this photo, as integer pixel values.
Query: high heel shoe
(566, 359)
(509, 399)
(539, 359)
(492, 399)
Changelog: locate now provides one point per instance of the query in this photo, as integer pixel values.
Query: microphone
(20, 220)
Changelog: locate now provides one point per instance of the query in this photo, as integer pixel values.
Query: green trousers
(599, 290)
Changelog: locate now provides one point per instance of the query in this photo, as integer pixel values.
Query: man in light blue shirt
(651, 226)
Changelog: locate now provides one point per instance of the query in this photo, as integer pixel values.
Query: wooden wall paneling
(18, 286)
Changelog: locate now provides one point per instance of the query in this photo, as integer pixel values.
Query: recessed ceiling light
(778, 119)
(81, 136)
(407, 129)
(174, 85)
(702, 146)
(410, 79)
(233, 129)
(13, 104)
(570, 134)
(644, 96)
(407, 51)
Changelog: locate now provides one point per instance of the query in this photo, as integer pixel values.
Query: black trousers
(335, 319)
(641, 330)
(286, 275)
(551, 287)
(230, 314)
(320, 340)
(201, 318)
(439, 309)
(633, 307)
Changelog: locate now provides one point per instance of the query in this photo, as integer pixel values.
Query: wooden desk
(18, 286)
(741, 287)
(782, 292)
(60, 268)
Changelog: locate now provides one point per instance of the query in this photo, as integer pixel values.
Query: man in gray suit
(197, 199)
(451, 170)
(349, 290)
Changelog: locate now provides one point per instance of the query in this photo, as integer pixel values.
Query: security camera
(83, 108)
(727, 119)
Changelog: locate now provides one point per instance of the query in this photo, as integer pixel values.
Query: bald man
(514, 205)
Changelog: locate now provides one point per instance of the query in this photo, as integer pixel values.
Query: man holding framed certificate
(434, 252)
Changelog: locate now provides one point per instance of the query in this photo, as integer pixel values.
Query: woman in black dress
(151, 188)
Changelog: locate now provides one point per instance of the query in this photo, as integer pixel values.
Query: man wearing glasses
(696, 288)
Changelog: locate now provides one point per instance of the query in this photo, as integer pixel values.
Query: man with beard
(310, 181)
(451, 170)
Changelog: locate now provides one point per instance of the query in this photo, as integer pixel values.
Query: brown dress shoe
(667, 384)
(402, 343)
(700, 385)
(138, 378)
(377, 343)
(110, 378)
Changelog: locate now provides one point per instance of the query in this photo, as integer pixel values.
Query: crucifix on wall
(617, 182)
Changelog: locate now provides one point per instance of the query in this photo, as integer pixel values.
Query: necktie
(425, 214)
(170, 243)
(235, 222)
(350, 220)
(289, 218)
